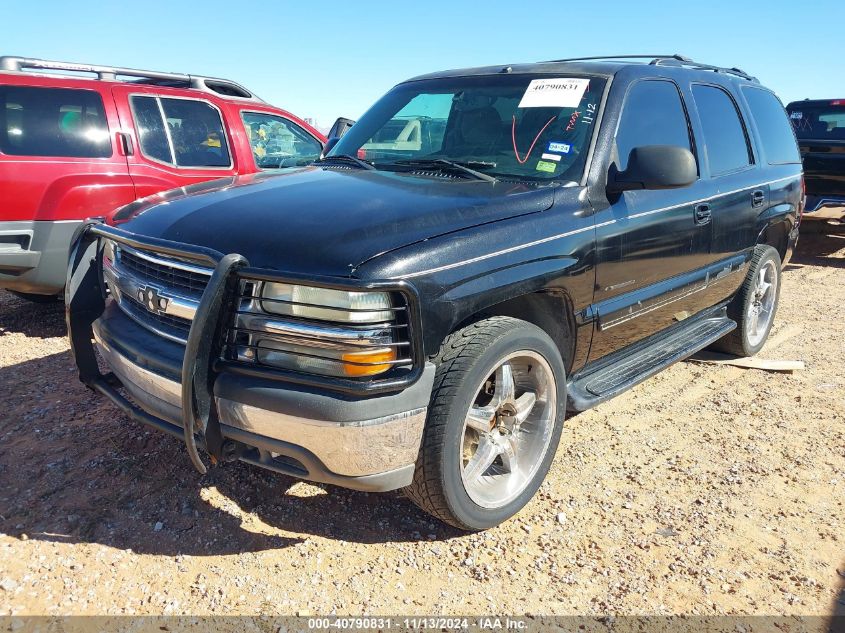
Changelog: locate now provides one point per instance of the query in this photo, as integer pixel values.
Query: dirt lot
(708, 489)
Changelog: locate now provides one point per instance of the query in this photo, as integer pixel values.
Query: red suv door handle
(124, 143)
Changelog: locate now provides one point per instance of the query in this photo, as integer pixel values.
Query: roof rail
(665, 60)
(220, 87)
(653, 58)
(688, 63)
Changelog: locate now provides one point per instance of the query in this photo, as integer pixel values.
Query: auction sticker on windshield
(554, 93)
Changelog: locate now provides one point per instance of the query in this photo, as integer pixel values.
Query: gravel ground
(706, 490)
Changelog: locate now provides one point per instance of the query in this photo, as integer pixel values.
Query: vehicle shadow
(837, 615)
(73, 469)
(819, 249)
(37, 320)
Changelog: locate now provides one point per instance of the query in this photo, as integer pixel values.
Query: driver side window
(652, 115)
(277, 142)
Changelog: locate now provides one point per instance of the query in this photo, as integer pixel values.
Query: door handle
(702, 214)
(758, 197)
(124, 142)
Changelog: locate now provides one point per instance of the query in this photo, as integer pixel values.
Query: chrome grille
(172, 274)
(160, 293)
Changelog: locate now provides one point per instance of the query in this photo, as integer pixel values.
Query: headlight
(325, 331)
(325, 304)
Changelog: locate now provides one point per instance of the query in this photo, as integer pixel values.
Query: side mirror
(341, 126)
(655, 167)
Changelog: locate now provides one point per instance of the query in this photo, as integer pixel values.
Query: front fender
(467, 273)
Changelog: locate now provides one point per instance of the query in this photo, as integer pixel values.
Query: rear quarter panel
(63, 188)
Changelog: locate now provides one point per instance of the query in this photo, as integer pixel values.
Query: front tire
(755, 305)
(494, 423)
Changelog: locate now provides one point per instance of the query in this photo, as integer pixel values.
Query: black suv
(483, 251)
(820, 127)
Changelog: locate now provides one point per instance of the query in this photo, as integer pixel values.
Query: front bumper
(360, 441)
(33, 255)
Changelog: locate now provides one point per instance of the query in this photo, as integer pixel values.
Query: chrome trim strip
(505, 251)
(161, 261)
(328, 334)
(718, 195)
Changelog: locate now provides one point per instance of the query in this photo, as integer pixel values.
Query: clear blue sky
(328, 59)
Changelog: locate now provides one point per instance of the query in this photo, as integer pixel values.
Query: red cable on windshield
(522, 161)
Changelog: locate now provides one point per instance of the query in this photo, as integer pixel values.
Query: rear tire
(755, 305)
(494, 423)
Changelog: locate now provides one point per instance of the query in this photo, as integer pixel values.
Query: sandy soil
(706, 490)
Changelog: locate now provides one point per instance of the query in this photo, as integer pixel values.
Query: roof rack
(665, 60)
(688, 63)
(610, 57)
(220, 87)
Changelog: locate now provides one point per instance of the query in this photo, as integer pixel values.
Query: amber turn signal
(368, 363)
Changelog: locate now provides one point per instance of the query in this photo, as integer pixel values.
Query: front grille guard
(85, 302)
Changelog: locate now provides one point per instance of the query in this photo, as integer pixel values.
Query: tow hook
(231, 451)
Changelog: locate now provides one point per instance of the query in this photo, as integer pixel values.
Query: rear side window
(53, 122)
(725, 139)
(181, 132)
(773, 125)
(653, 115)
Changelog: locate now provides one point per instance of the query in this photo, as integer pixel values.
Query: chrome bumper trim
(359, 448)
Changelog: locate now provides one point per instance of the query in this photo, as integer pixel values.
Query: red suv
(73, 147)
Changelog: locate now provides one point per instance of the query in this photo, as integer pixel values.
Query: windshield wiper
(344, 158)
(450, 165)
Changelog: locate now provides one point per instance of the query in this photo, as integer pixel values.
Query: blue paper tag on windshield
(560, 148)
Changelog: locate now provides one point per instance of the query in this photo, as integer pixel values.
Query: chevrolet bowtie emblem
(152, 300)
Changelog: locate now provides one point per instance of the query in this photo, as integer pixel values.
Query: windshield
(277, 142)
(510, 126)
(818, 122)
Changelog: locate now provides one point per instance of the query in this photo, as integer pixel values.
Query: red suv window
(53, 122)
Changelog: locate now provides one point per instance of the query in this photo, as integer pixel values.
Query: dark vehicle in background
(819, 125)
(79, 144)
(482, 251)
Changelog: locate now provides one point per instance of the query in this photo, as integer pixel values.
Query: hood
(324, 221)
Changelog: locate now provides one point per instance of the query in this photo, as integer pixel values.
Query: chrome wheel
(761, 308)
(508, 429)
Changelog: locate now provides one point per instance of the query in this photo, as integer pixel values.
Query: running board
(629, 368)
